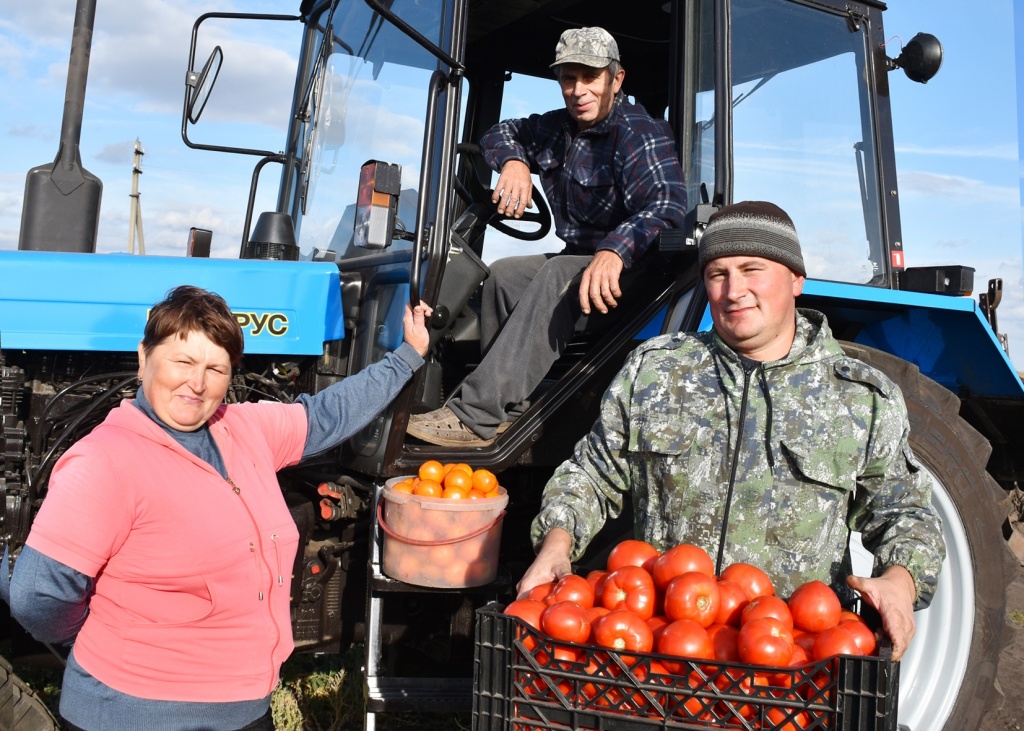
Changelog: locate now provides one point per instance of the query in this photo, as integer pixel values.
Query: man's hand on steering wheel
(600, 285)
(513, 193)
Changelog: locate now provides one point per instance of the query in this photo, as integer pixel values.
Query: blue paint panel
(57, 301)
(654, 326)
(948, 338)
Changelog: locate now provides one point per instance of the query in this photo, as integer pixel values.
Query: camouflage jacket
(810, 447)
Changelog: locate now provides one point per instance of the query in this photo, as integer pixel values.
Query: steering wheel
(481, 195)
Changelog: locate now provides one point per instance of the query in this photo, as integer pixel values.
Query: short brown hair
(188, 309)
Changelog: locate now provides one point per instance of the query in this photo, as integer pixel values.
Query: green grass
(325, 693)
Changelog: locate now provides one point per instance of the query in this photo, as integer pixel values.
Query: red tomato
(766, 641)
(594, 614)
(692, 595)
(835, 641)
(849, 614)
(621, 630)
(753, 580)
(788, 719)
(800, 656)
(685, 638)
(726, 640)
(541, 591)
(732, 599)
(767, 606)
(629, 587)
(631, 552)
(679, 560)
(564, 653)
(657, 623)
(572, 588)
(805, 640)
(528, 610)
(862, 635)
(815, 607)
(566, 621)
(595, 578)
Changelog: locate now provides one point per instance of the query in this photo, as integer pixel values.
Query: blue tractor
(383, 199)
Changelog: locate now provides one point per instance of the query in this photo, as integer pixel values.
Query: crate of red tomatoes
(662, 642)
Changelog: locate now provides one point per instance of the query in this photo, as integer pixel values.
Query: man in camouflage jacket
(759, 441)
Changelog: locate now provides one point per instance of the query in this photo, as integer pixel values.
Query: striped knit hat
(752, 228)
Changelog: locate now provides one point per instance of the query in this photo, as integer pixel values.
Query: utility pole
(135, 217)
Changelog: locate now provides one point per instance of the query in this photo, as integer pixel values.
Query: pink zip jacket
(192, 571)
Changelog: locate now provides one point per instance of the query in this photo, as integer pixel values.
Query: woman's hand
(415, 325)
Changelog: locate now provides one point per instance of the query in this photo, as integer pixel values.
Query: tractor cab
(392, 99)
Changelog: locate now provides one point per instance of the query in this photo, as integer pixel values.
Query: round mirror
(921, 58)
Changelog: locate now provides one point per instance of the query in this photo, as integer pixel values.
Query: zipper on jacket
(277, 554)
(732, 470)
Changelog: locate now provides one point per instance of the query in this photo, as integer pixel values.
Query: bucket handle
(441, 542)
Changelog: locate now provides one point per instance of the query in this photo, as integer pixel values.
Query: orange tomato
(455, 492)
(431, 470)
(458, 478)
(475, 494)
(403, 486)
(428, 488)
(484, 480)
(464, 467)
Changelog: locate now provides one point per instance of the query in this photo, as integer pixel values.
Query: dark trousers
(529, 308)
(263, 723)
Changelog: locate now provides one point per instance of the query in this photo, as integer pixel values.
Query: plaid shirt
(614, 186)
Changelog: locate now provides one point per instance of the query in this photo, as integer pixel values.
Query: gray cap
(588, 46)
(752, 228)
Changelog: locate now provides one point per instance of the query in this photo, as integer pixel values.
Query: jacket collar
(813, 342)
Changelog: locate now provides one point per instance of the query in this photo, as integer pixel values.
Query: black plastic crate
(519, 686)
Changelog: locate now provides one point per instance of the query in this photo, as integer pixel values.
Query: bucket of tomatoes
(442, 526)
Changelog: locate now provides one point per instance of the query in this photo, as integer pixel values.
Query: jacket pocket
(593, 196)
(809, 504)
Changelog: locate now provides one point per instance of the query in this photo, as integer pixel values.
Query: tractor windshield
(365, 99)
(803, 131)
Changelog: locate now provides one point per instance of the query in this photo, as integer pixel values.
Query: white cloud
(960, 188)
(995, 152)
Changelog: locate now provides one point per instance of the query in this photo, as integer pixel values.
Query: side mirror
(920, 58)
(202, 84)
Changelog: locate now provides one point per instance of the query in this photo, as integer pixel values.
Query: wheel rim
(933, 669)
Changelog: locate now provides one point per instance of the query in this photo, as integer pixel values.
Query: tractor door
(380, 83)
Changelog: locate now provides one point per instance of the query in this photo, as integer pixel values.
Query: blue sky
(956, 137)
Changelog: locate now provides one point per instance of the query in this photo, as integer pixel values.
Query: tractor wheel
(20, 708)
(948, 676)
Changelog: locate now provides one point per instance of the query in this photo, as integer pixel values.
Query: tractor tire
(20, 708)
(949, 672)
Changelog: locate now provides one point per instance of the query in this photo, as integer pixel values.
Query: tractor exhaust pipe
(61, 209)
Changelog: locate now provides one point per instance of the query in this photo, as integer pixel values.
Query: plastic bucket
(440, 542)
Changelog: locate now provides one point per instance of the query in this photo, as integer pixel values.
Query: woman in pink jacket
(164, 547)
